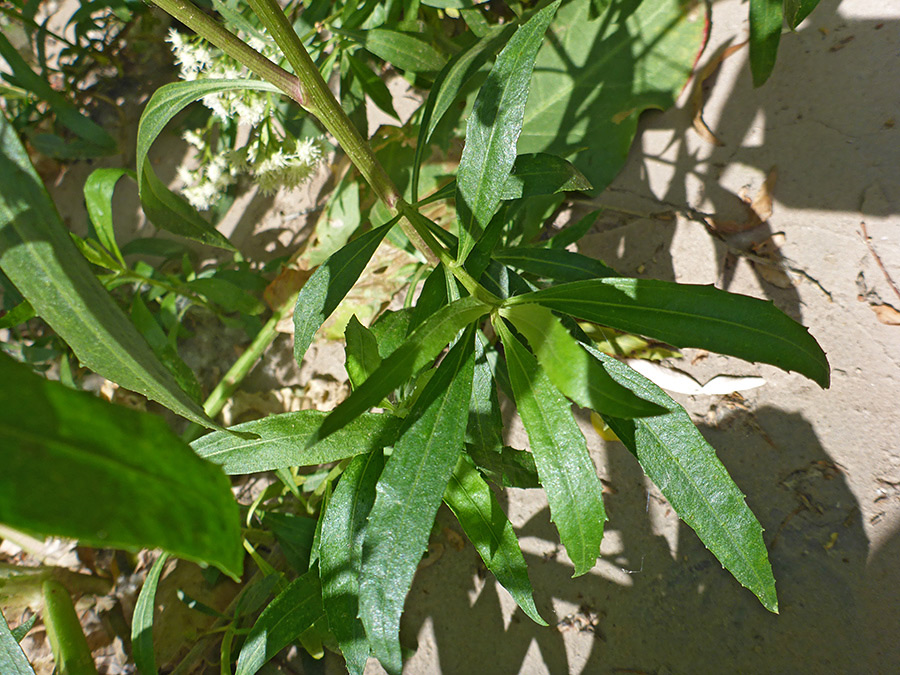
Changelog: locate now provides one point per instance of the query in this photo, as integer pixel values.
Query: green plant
(499, 311)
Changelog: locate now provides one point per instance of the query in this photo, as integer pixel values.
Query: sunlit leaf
(542, 174)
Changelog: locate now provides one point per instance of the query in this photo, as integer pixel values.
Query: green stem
(67, 640)
(207, 28)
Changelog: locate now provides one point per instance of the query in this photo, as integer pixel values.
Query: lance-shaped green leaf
(560, 454)
(362, 352)
(447, 87)
(797, 10)
(332, 280)
(685, 468)
(420, 348)
(294, 610)
(766, 21)
(594, 77)
(39, 257)
(408, 496)
(98, 192)
(687, 315)
(493, 128)
(142, 621)
(279, 441)
(373, 85)
(340, 555)
(406, 51)
(555, 264)
(12, 658)
(571, 368)
(542, 174)
(110, 476)
(167, 210)
(485, 427)
(490, 531)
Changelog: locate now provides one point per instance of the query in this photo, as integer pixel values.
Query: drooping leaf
(328, 285)
(554, 263)
(766, 21)
(362, 352)
(98, 193)
(38, 256)
(421, 347)
(594, 77)
(407, 51)
(493, 128)
(373, 85)
(797, 10)
(560, 454)
(95, 140)
(571, 369)
(340, 555)
(164, 208)
(408, 496)
(110, 476)
(542, 174)
(490, 531)
(142, 621)
(447, 87)
(685, 468)
(71, 653)
(687, 315)
(294, 610)
(12, 658)
(279, 441)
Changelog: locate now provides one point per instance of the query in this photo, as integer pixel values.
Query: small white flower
(193, 139)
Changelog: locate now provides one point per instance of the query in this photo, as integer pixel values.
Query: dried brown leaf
(886, 314)
(762, 203)
(697, 101)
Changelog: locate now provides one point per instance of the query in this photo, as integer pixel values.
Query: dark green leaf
(281, 441)
(294, 610)
(766, 21)
(447, 87)
(684, 466)
(490, 531)
(390, 330)
(595, 76)
(20, 631)
(38, 256)
(554, 263)
(571, 369)
(341, 550)
(406, 51)
(542, 174)
(328, 285)
(98, 193)
(362, 352)
(573, 233)
(163, 349)
(227, 295)
(560, 454)
(109, 476)
(374, 87)
(408, 496)
(142, 621)
(294, 534)
(96, 140)
(485, 426)
(691, 316)
(432, 297)
(12, 658)
(492, 129)
(507, 468)
(421, 348)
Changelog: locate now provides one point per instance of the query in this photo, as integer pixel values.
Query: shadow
(658, 601)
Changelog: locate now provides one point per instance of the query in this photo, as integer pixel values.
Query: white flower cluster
(205, 184)
(195, 60)
(271, 159)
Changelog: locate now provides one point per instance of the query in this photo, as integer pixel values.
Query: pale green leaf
(12, 658)
(98, 193)
(142, 620)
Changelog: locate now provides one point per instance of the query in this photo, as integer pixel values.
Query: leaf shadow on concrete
(678, 610)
